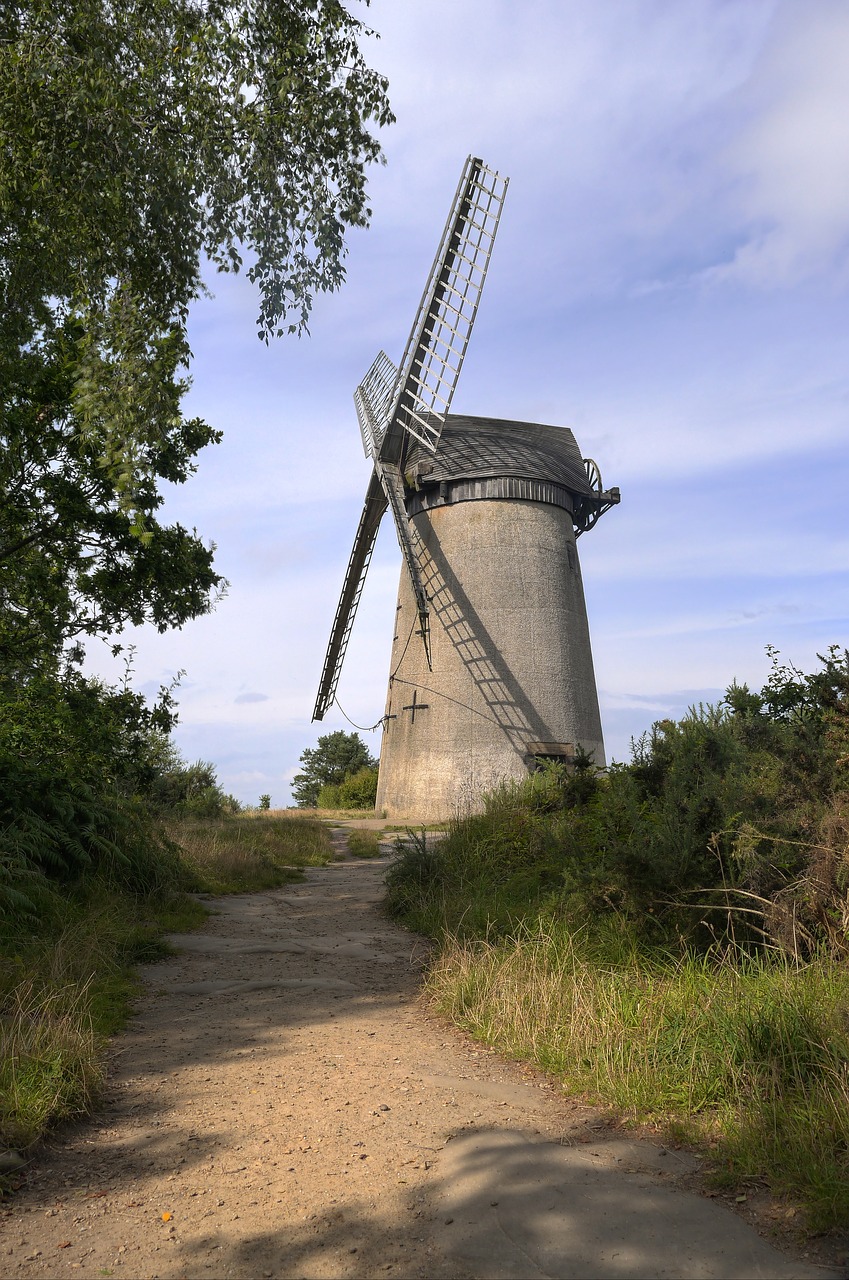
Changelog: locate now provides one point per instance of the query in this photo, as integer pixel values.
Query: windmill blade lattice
(374, 398)
(440, 333)
(352, 588)
(393, 487)
(394, 407)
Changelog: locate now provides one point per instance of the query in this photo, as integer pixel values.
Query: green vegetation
(69, 944)
(141, 141)
(338, 773)
(358, 791)
(250, 852)
(65, 988)
(104, 830)
(364, 844)
(671, 937)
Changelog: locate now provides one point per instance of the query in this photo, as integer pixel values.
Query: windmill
(491, 663)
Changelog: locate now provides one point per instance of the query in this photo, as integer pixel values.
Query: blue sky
(669, 280)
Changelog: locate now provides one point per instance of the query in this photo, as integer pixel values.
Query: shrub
(359, 791)
(731, 822)
(336, 757)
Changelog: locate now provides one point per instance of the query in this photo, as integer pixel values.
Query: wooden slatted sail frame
(352, 588)
(374, 398)
(396, 407)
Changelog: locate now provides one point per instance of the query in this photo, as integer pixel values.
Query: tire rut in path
(283, 1106)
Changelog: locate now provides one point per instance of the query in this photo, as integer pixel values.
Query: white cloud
(790, 158)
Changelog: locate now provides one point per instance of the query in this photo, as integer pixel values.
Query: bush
(730, 823)
(337, 757)
(189, 788)
(85, 770)
(359, 791)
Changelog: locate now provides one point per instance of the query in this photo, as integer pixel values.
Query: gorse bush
(191, 789)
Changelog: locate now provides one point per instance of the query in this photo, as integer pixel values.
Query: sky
(669, 280)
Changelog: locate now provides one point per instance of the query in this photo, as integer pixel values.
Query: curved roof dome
(473, 448)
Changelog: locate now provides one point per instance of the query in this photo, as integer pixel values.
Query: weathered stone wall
(511, 653)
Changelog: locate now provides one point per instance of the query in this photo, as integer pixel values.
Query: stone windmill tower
(491, 661)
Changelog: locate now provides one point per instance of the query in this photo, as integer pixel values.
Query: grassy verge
(250, 852)
(68, 965)
(746, 1056)
(328, 815)
(364, 844)
(66, 986)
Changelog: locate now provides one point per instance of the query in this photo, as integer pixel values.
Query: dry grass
(249, 852)
(50, 1066)
(331, 815)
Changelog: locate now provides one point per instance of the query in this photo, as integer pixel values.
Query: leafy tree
(138, 139)
(138, 142)
(70, 562)
(336, 757)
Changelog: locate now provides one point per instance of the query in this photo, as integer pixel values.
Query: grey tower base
(512, 674)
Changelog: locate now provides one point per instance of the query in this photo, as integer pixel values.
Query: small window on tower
(540, 752)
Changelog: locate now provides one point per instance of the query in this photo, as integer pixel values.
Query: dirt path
(283, 1106)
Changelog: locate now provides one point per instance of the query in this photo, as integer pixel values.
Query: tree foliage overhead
(137, 141)
(70, 563)
(337, 757)
(139, 138)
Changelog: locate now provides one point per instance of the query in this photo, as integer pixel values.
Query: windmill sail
(440, 334)
(352, 589)
(395, 407)
(373, 399)
(393, 487)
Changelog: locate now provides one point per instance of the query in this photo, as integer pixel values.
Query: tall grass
(68, 981)
(248, 852)
(66, 986)
(364, 844)
(50, 1065)
(748, 1055)
(561, 943)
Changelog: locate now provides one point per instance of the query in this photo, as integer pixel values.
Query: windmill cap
(472, 448)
